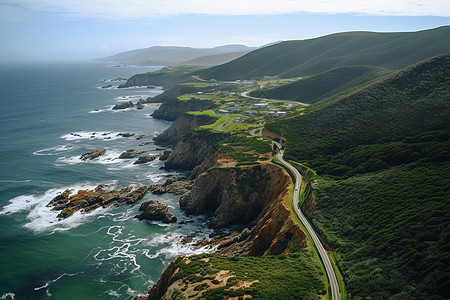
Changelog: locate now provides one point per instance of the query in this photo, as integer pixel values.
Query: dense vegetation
(294, 276)
(314, 56)
(312, 89)
(383, 191)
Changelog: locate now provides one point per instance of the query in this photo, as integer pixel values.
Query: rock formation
(123, 105)
(194, 149)
(165, 155)
(93, 153)
(145, 159)
(234, 195)
(131, 154)
(171, 185)
(126, 134)
(88, 200)
(155, 211)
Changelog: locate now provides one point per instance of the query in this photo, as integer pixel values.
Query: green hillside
(313, 56)
(312, 89)
(383, 186)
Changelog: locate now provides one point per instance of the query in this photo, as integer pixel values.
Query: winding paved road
(219, 127)
(335, 293)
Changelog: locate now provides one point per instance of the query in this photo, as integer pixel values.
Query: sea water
(50, 115)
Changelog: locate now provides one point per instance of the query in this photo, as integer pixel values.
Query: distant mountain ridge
(313, 56)
(173, 55)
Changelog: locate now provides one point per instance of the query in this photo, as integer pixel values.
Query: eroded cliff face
(273, 231)
(171, 110)
(235, 195)
(277, 233)
(182, 125)
(198, 148)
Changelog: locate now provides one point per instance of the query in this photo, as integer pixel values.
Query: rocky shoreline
(259, 212)
(84, 201)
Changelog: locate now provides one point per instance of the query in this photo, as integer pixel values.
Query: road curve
(335, 293)
(219, 127)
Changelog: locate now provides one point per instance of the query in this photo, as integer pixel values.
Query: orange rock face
(88, 200)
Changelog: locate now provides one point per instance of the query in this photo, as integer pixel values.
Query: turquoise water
(50, 115)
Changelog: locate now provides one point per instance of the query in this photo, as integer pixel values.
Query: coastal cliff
(270, 232)
(182, 125)
(172, 109)
(231, 194)
(195, 151)
(250, 196)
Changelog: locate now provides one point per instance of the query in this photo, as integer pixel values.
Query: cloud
(131, 9)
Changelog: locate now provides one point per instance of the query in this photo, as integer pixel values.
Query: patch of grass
(244, 148)
(295, 276)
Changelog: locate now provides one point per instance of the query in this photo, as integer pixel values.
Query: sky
(86, 29)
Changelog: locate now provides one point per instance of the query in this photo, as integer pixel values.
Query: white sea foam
(42, 218)
(107, 108)
(156, 177)
(110, 157)
(101, 87)
(113, 293)
(47, 284)
(130, 98)
(175, 247)
(122, 252)
(8, 296)
(88, 135)
(54, 150)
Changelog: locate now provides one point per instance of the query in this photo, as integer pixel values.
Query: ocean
(50, 115)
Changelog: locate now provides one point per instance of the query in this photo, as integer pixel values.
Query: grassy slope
(383, 197)
(294, 276)
(313, 56)
(312, 89)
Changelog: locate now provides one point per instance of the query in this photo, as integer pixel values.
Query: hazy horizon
(50, 30)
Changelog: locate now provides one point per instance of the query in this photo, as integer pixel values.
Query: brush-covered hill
(314, 56)
(382, 201)
(174, 56)
(312, 89)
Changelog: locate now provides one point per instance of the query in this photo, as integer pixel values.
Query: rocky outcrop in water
(123, 105)
(155, 211)
(125, 134)
(171, 185)
(130, 154)
(145, 159)
(88, 200)
(93, 153)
